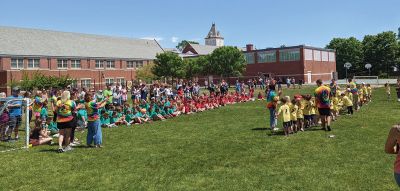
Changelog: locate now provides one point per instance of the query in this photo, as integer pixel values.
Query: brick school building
(91, 60)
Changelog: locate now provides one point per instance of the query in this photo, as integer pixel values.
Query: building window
(99, 64)
(17, 63)
(121, 81)
(87, 83)
(139, 64)
(131, 64)
(324, 56)
(332, 57)
(109, 81)
(264, 57)
(308, 54)
(62, 64)
(289, 55)
(249, 58)
(33, 63)
(317, 55)
(75, 64)
(110, 64)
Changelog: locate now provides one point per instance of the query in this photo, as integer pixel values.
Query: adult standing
(65, 120)
(94, 133)
(15, 113)
(322, 98)
(392, 147)
(272, 102)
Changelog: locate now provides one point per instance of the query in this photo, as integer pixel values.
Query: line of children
(300, 113)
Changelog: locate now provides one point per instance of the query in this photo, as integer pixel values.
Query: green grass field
(222, 149)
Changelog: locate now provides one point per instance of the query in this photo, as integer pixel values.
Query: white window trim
(34, 63)
(110, 61)
(102, 63)
(134, 64)
(18, 64)
(63, 63)
(73, 64)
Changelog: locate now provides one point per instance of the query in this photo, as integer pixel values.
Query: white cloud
(157, 38)
(174, 39)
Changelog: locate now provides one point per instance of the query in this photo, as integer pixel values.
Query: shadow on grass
(260, 129)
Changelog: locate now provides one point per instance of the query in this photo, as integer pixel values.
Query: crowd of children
(114, 114)
(298, 113)
(301, 112)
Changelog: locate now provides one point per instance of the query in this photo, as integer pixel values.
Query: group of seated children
(301, 112)
(163, 108)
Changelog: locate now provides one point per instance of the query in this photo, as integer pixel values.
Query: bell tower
(214, 38)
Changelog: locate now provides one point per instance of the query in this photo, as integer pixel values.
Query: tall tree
(347, 50)
(181, 45)
(381, 51)
(227, 61)
(146, 72)
(169, 65)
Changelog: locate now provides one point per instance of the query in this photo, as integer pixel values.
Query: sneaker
(276, 129)
(329, 129)
(99, 146)
(60, 150)
(73, 144)
(67, 148)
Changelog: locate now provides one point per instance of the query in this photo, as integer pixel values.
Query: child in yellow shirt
(300, 116)
(285, 111)
(293, 114)
(369, 90)
(387, 88)
(347, 102)
(307, 111)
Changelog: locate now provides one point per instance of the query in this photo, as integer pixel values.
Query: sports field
(223, 149)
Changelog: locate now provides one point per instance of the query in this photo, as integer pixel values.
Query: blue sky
(264, 23)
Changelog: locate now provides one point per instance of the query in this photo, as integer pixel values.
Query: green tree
(381, 51)
(181, 45)
(347, 50)
(145, 73)
(169, 65)
(227, 61)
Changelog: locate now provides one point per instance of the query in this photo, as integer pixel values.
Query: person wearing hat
(15, 113)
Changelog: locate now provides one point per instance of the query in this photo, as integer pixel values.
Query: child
(285, 111)
(307, 111)
(105, 120)
(44, 112)
(51, 126)
(347, 102)
(300, 116)
(39, 135)
(260, 97)
(293, 115)
(369, 90)
(387, 87)
(82, 118)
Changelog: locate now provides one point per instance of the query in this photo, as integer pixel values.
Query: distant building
(92, 60)
(213, 41)
(214, 37)
(301, 62)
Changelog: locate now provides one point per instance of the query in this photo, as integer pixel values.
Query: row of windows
(289, 55)
(18, 63)
(88, 82)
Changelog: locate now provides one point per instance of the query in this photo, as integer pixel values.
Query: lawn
(223, 149)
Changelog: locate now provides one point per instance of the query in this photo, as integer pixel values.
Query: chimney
(249, 47)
